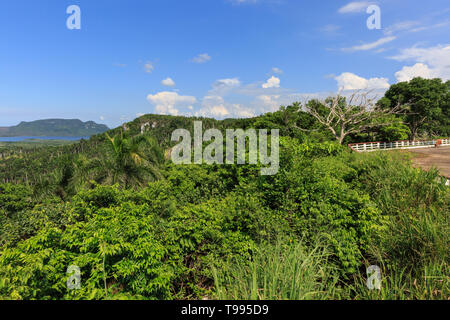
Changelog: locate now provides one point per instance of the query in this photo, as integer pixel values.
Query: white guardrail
(381, 146)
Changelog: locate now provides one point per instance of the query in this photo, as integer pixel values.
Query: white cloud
(277, 70)
(270, 102)
(435, 59)
(213, 106)
(201, 58)
(167, 102)
(223, 86)
(426, 23)
(168, 82)
(232, 82)
(231, 98)
(273, 82)
(242, 112)
(356, 6)
(432, 26)
(219, 111)
(401, 26)
(417, 70)
(102, 118)
(371, 45)
(350, 81)
(148, 67)
(217, 107)
(214, 103)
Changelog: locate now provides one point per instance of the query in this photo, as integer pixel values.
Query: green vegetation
(428, 104)
(33, 143)
(280, 271)
(140, 227)
(53, 128)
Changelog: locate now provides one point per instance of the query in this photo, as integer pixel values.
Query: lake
(17, 139)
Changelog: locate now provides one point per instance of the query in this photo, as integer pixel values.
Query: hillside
(139, 226)
(54, 127)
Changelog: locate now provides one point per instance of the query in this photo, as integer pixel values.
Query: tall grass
(279, 272)
(433, 282)
(413, 252)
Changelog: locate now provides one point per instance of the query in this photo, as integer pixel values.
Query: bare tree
(356, 114)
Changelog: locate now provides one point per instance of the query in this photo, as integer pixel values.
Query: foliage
(14, 198)
(140, 227)
(342, 116)
(428, 102)
(280, 271)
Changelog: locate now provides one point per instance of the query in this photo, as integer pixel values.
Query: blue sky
(218, 58)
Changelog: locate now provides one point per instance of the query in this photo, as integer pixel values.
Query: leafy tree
(287, 119)
(395, 130)
(427, 102)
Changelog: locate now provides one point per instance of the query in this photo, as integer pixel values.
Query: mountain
(54, 127)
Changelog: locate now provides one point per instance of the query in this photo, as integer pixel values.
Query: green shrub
(118, 250)
(14, 198)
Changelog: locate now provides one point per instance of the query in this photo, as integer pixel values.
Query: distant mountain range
(54, 128)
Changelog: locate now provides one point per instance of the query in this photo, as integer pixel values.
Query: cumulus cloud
(201, 58)
(356, 6)
(433, 62)
(168, 102)
(213, 106)
(350, 81)
(371, 45)
(232, 99)
(168, 82)
(417, 70)
(273, 82)
(217, 107)
(229, 98)
(219, 111)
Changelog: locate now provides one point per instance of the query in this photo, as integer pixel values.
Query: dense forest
(140, 227)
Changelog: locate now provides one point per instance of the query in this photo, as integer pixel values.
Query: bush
(119, 251)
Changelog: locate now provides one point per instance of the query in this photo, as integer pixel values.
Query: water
(16, 139)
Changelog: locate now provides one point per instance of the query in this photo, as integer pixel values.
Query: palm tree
(132, 160)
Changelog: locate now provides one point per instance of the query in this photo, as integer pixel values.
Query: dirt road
(427, 158)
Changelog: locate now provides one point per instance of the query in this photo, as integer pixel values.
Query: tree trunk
(413, 132)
